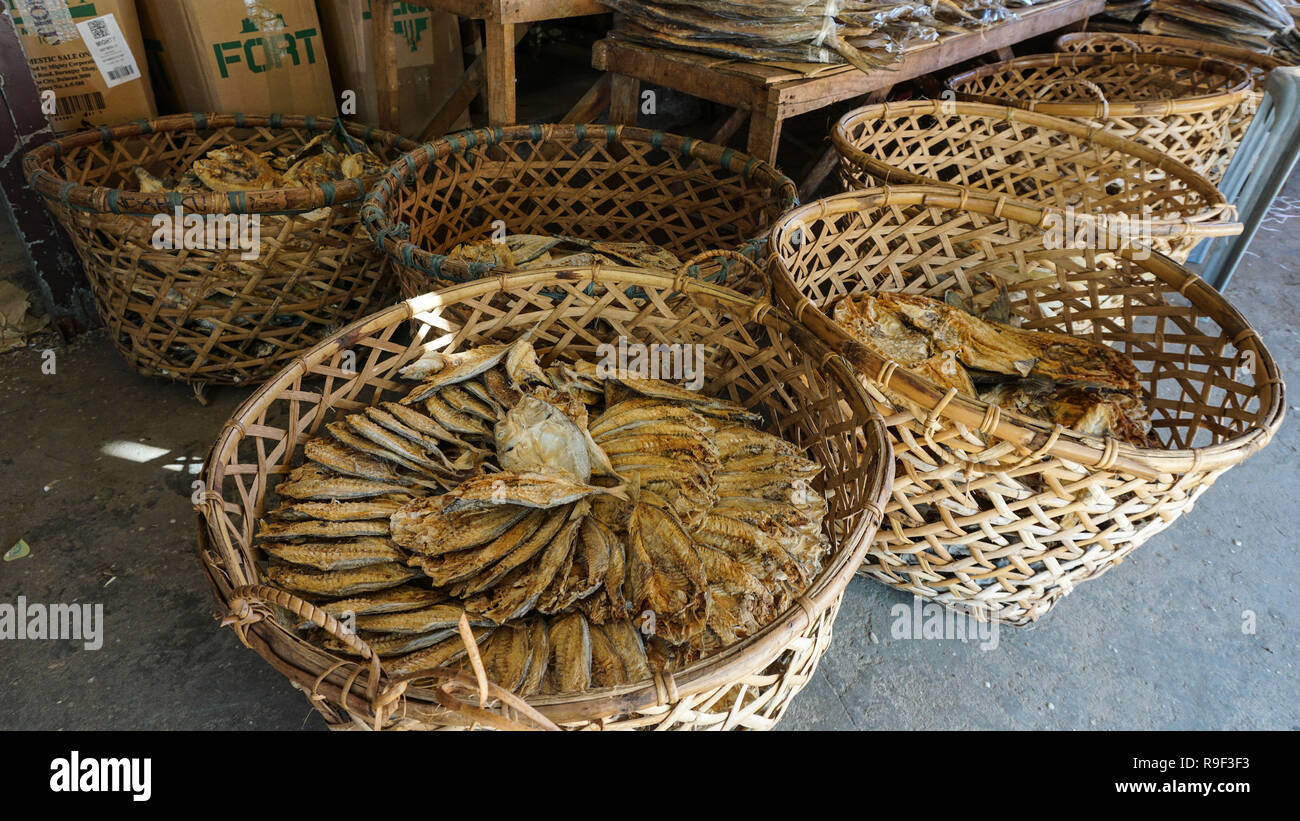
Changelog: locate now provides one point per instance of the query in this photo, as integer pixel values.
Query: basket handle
(1079, 82)
(705, 256)
(250, 603)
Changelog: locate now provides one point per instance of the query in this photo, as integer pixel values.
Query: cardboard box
(233, 56)
(88, 60)
(429, 62)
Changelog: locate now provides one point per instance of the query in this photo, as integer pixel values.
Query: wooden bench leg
(731, 126)
(596, 100)
(764, 134)
(624, 99)
(500, 53)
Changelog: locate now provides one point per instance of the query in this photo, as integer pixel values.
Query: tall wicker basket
(755, 357)
(594, 182)
(993, 512)
(1181, 106)
(1259, 65)
(209, 315)
(1026, 155)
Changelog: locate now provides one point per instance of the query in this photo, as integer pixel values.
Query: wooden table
(768, 93)
(494, 68)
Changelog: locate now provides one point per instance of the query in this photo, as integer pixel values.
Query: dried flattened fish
(442, 654)
(421, 525)
(340, 582)
(349, 462)
(335, 555)
(518, 591)
(570, 640)
(664, 571)
(552, 523)
(534, 490)
(317, 529)
(462, 564)
(309, 482)
(438, 617)
(392, 600)
(338, 511)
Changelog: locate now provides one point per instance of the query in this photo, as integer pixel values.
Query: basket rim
(284, 200)
(744, 657)
(1199, 223)
(1030, 433)
(1241, 88)
(1227, 53)
(388, 235)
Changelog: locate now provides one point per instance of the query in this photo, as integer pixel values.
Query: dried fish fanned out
(345, 460)
(454, 419)
(462, 564)
(429, 447)
(337, 511)
(436, 368)
(444, 653)
(309, 482)
(507, 656)
(641, 411)
(392, 600)
(627, 641)
(536, 435)
(539, 656)
(426, 425)
(422, 526)
(538, 540)
(394, 644)
(499, 388)
(534, 490)
(340, 582)
(466, 401)
(519, 590)
(317, 529)
(570, 640)
(438, 617)
(606, 664)
(335, 555)
(664, 573)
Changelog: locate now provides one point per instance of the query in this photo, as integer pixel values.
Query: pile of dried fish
(869, 34)
(524, 251)
(591, 526)
(1060, 379)
(1259, 25)
(331, 156)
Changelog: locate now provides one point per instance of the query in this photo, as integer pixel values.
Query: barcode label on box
(109, 50)
(79, 103)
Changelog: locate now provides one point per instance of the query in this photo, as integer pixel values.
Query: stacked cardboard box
(87, 57)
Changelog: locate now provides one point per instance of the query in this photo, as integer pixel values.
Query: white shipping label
(108, 48)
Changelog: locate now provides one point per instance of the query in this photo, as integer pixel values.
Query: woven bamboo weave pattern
(1181, 106)
(1052, 161)
(993, 512)
(208, 315)
(608, 183)
(1259, 65)
(755, 355)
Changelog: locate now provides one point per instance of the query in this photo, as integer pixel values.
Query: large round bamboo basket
(756, 356)
(593, 182)
(993, 512)
(208, 315)
(1259, 65)
(1181, 106)
(1026, 155)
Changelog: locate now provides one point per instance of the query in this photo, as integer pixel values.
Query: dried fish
(438, 617)
(422, 525)
(570, 640)
(309, 482)
(317, 529)
(539, 490)
(664, 573)
(392, 600)
(340, 582)
(336, 555)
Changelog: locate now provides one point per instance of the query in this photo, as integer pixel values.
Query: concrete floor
(1155, 644)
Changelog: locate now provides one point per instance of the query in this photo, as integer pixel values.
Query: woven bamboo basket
(1259, 65)
(1026, 155)
(755, 356)
(598, 182)
(209, 316)
(1181, 106)
(994, 513)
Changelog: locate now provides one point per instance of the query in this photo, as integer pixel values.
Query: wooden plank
(800, 96)
(471, 83)
(624, 99)
(515, 11)
(731, 126)
(667, 69)
(500, 53)
(596, 100)
(383, 51)
(764, 134)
